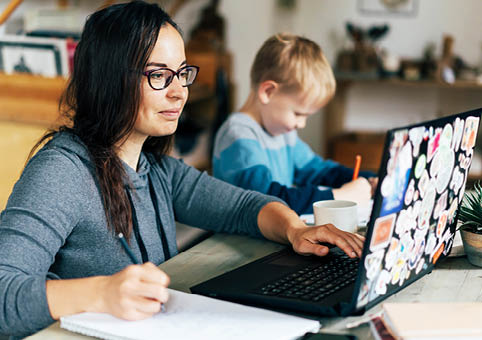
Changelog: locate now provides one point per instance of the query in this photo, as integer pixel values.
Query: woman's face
(159, 110)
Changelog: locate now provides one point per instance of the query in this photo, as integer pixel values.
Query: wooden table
(453, 280)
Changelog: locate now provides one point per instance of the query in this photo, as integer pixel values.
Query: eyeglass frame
(175, 74)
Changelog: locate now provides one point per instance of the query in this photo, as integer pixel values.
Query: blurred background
(397, 62)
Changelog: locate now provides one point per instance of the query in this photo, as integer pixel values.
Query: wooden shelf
(30, 99)
(35, 99)
(459, 84)
(342, 146)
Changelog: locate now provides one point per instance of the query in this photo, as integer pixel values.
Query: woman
(108, 173)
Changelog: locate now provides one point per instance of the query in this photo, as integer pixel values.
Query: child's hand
(359, 190)
(373, 182)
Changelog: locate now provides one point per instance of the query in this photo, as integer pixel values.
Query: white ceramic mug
(342, 214)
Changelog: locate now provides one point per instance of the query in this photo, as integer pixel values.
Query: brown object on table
(445, 72)
(369, 145)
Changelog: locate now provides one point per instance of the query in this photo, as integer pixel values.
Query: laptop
(422, 179)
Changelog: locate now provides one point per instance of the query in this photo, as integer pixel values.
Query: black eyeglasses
(160, 78)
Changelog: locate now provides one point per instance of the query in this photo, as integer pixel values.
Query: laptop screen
(421, 184)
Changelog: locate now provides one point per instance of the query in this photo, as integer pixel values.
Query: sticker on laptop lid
(423, 183)
(420, 166)
(381, 282)
(416, 137)
(395, 183)
(382, 232)
(441, 224)
(441, 205)
(433, 143)
(447, 134)
(393, 253)
(470, 133)
(373, 264)
(458, 131)
(446, 159)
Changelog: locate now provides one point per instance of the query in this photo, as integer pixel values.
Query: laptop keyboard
(314, 282)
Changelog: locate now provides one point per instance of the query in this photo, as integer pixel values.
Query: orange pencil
(357, 167)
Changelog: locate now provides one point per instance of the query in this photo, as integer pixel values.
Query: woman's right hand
(136, 292)
(359, 190)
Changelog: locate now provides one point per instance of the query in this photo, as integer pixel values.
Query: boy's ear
(266, 90)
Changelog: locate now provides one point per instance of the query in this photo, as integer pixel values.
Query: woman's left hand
(307, 240)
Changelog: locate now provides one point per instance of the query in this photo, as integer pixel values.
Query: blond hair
(297, 64)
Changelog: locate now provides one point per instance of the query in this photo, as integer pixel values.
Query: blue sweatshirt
(54, 224)
(247, 156)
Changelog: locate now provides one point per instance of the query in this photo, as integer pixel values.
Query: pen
(133, 258)
(127, 249)
(357, 167)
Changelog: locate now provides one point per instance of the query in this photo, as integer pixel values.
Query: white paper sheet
(191, 316)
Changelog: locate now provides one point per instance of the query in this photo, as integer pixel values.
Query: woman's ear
(266, 90)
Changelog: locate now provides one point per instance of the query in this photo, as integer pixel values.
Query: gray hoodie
(54, 224)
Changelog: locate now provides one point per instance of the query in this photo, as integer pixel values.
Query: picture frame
(37, 56)
(407, 8)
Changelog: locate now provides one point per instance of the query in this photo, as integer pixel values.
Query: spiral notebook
(190, 316)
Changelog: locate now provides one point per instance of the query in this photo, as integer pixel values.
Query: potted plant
(470, 215)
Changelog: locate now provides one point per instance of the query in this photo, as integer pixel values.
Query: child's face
(160, 110)
(287, 111)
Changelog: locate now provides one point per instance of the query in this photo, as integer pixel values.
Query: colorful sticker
(441, 205)
(417, 253)
(406, 245)
(373, 264)
(394, 197)
(431, 243)
(416, 137)
(420, 165)
(420, 265)
(416, 195)
(433, 144)
(452, 211)
(427, 206)
(470, 133)
(382, 231)
(465, 164)
(409, 193)
(436, 255)
(420, 234)
(423, 183)
(393, 253)
(458, 131)
(457, 179)
(397, 271)
(446, 137)
(445, 159)
(363, 295)
(448, 247)
(404, 274)
(381, 282)
(442, 222)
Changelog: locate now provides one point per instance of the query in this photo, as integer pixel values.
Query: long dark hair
(103, 95)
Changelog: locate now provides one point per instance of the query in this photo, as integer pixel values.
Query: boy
(258, 148)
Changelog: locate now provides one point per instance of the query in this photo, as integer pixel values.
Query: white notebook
(191, 316)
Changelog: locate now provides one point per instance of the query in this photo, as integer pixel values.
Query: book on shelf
(426, 321)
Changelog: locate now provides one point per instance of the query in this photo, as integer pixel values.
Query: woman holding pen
(107, 173)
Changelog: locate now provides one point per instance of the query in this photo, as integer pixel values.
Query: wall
(250, 22)
(368, 107)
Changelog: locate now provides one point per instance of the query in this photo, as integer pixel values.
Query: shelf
(342, 146)
(30, 99)
(34, 99)
(460, 84)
